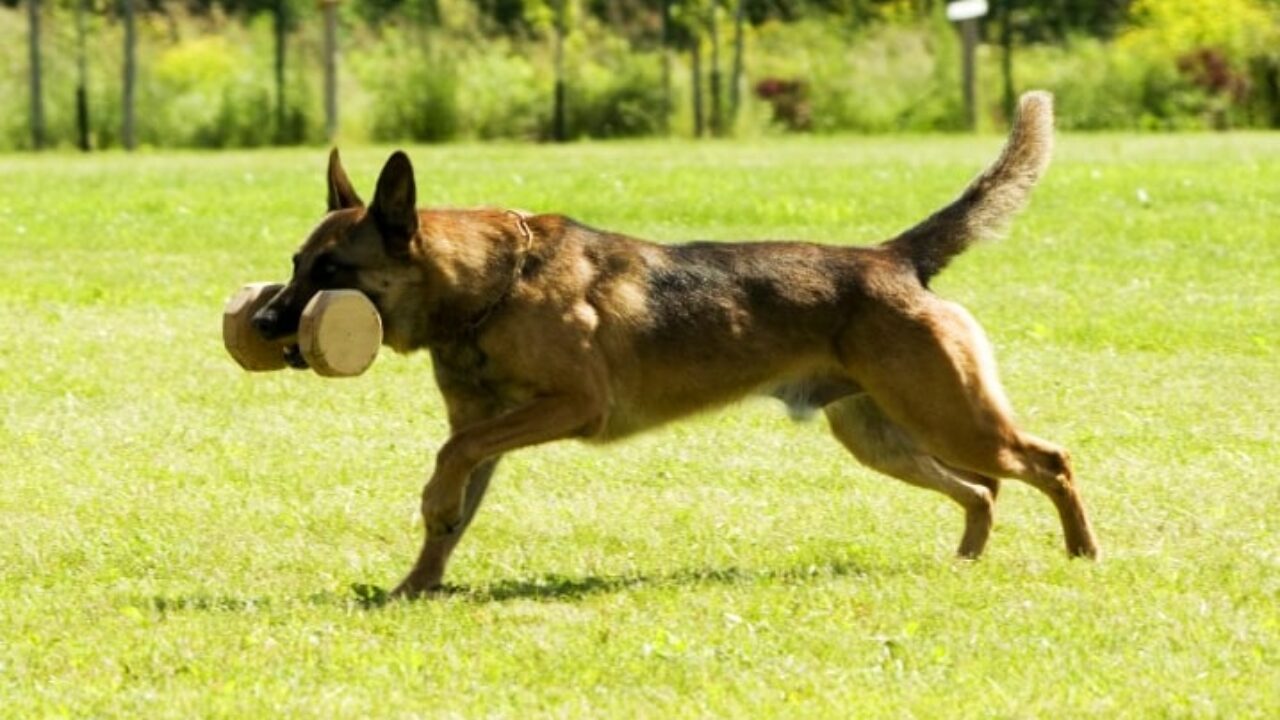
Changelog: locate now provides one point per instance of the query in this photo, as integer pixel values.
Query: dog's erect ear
(341, 193)
(394, 205)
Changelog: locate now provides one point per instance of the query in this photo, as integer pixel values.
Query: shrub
(618, 95)
(890, 77)
(413, 88)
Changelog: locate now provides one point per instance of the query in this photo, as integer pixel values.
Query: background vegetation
(437, 70)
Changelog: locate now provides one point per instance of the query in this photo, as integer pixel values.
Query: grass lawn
(180, 538)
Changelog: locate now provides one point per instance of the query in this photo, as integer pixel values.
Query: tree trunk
(667, 104)
(735, 79)
(696, 65)
(559, 124)
(127, 135)
(37, 79)
(968, 46)
(281, 28)
(717, 115)
(82, 80)
(331, 69)
(1006, 58)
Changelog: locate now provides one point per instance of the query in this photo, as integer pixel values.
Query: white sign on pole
(966, 10)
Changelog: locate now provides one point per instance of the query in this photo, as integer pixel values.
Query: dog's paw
(413, 589)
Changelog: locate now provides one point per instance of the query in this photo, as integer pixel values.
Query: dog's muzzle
(271, 327)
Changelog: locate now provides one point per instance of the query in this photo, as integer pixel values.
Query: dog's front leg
(446, 501)
(429, 570)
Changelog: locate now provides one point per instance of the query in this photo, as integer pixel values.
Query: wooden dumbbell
(243, 341)
(339, 332)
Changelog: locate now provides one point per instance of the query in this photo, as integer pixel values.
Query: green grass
(179, 538)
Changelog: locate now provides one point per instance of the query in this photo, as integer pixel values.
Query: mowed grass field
(179, 538)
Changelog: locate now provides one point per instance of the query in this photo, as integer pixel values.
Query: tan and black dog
(541, 328)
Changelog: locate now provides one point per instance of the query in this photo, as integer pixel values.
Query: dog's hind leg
(881, 445)
(429, 569)
(931, 372)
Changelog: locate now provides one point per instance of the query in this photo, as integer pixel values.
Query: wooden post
(330, 8)
(127, 134)
(559, 123)
(969, 44)
(82, 80)
(667, 104)
(717, 115)
(735, 79)
(281, 33)
(37, 80)
(1006, 58)
(696, 67)
(965, 13)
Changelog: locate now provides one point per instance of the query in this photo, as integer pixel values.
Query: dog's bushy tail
(986, 206)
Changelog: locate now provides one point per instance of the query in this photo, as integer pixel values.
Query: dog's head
(354, 247)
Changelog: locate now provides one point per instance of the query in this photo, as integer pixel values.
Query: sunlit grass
(180, 538)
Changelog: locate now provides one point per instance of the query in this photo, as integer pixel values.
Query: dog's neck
(473, 260)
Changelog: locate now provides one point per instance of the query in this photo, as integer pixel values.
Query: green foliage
(614, 91)
(414, 89)
(504, 94)
(438, 70)
(207, 94)
(208, 86)
(437, 87)
(1170, 28)
(889, 78)
(1098, 86)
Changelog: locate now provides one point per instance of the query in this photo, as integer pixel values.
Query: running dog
(541, 328)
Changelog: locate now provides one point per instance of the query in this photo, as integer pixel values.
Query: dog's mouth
(293, 357)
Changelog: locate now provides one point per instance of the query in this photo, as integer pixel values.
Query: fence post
(82, 80)
(735, 79)
(559, 125)
(37, 81)
(717, 114)
(281, 35)
(330, 8)
(966, 14)
(127, 134)
(1006, 59)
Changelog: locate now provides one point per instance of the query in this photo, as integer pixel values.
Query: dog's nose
(266, 322)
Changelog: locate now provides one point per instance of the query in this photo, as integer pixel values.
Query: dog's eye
(326, 270)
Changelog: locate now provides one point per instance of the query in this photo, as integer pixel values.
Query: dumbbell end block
(243, 342)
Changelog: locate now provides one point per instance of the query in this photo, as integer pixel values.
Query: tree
(130, 76)
(37, 89)
(330, 69)
(82, 79)
(1006, 57)
(717, 115)
(280, 24)
(735, 77)
(559, 120)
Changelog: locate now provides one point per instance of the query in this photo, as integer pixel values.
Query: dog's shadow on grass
(555, 587)
(548, 587)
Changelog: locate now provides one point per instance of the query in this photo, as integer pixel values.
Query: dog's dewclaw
(340, 333)
(243, 341)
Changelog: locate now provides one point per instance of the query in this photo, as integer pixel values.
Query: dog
(541, 328)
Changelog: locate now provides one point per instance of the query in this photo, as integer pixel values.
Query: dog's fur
(541, 328)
